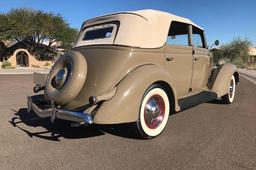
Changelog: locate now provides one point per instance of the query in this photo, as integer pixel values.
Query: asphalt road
(248, 74)
(209, 136)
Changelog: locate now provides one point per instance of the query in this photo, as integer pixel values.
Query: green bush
(235, 52)
(239, 62)
(35, 66)
(6, 65)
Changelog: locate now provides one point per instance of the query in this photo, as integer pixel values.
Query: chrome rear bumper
(59, 113)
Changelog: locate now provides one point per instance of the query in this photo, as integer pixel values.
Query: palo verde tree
(235, 52)
(40, 32)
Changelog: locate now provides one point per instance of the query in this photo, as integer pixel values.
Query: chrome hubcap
(154, 111)
(60, 78)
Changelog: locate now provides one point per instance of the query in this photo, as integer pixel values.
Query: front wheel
(154, 112)
(229, 97)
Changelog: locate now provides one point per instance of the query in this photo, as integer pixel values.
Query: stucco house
(19, 56)
(252, 51)
(252, 59)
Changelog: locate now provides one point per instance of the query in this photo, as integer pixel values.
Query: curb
(21, 71)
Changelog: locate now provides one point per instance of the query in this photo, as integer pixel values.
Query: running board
(202, 97)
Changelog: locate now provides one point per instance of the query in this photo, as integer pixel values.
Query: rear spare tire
(66, 78)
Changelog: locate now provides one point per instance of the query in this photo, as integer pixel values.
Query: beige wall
(252, 51)
(32, 61)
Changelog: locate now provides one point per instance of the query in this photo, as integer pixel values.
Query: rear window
(99, 33)
(102, 33)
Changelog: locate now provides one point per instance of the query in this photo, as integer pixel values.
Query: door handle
(169, 58)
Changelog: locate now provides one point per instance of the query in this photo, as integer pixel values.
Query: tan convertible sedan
(137, 66)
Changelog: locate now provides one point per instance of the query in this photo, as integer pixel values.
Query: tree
(235, 51)
(217, 55)
(40, 32)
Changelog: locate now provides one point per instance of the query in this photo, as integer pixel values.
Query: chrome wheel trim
(154, 111)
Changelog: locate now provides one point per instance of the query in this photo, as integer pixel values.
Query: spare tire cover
(66, 78)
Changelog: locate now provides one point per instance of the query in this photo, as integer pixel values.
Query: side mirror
(216, 43)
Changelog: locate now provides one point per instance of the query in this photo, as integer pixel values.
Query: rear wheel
(229, 97)
(154, 112)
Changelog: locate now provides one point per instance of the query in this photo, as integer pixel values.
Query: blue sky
(221, 19)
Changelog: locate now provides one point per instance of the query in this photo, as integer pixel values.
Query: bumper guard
(54, 113)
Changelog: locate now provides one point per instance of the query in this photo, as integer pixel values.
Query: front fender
(125, 105)
(221, 83)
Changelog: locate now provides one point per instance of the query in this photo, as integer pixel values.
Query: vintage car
(133, 67)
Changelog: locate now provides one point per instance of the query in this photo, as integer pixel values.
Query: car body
(136, 66)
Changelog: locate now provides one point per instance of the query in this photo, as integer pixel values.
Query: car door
(201, 61)
(178, 57)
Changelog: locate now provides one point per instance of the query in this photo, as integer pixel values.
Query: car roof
(143, 28)
(150, 15)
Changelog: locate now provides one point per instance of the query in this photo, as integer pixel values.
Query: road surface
(209, 136)
(248, 74)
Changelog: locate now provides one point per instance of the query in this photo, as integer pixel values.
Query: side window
(198, 38)
(178, 34)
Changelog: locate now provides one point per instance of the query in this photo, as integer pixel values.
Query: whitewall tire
(154, 112)
(229, 97)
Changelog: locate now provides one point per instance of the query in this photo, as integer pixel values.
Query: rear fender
(224, 74)
(125, 105)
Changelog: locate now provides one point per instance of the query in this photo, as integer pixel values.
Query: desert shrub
(47, 64)
(35, 66)
(6, 64)
(235, 52)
